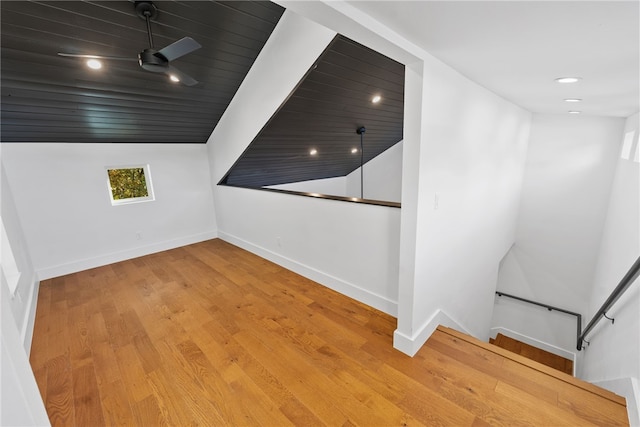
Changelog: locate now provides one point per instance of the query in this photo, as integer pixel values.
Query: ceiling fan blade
(185, 79)
(111, 58)
(179, 48)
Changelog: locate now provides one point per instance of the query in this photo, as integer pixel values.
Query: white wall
(471, 163)
(382, 177)
(23, 300)
(293, 47)
(614, 352)
(20, 401)
(349, 247)
(468, 146)
(570, 168)
(63, 202)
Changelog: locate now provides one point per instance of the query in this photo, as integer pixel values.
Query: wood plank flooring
(530, 352)
(212, 335)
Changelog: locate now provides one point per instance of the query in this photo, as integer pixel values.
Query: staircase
(505, 388)
(533, 353)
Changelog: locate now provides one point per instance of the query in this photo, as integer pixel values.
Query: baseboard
(629, 388)
(411, 344)
(371, 299)
(29, 320)
(85, 264)
(536, 343)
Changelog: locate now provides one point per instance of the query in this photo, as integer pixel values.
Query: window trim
(147, 178)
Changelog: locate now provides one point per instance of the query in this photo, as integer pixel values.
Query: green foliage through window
(127, 183)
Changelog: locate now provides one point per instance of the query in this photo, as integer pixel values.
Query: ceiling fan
(151, 59)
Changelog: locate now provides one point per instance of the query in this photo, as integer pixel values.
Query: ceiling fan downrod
(147, 11)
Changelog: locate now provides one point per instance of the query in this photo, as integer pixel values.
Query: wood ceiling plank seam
(115, 116)
(214, 31)
(348, 49)
(361, 64)
(69, 120)
(352, 90)
(97, 92)
(132, 105)
(39, 24)
(351, 85)
(320, 115)
(311, 92)
(109, 104)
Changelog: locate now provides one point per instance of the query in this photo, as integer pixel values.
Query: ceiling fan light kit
(150, 59)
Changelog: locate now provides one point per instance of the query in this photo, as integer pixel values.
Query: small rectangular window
(130, 184)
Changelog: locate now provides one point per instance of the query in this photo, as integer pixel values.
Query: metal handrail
(551, 308)
(624, 284)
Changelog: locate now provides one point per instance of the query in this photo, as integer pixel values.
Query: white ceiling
(517, 48)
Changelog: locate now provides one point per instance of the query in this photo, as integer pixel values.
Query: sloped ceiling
(48, 98)
(322, 114)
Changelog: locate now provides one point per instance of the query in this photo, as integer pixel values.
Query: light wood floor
(530, 352)
(212, 335)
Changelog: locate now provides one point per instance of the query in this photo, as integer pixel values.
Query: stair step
(509, 389)
(530, 352)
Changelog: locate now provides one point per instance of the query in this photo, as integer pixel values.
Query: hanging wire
(361, 130)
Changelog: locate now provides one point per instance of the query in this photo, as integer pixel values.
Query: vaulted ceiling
(314, 133)
(49, 98)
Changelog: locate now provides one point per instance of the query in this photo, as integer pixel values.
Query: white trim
(411, 344)
(629, 389)
(8, 266)
(29, 320)
(369, 298)
(536, 343)
(147, 180)
(85, 264)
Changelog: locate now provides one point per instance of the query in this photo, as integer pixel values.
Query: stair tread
(536, 366)
(531, 352)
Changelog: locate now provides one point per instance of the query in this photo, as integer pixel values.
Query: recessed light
(575, 112)
(173, 78)
(568, 79)
(376, 99)
(354, 150)
(94, 64)
(573, 100)
(313, 152)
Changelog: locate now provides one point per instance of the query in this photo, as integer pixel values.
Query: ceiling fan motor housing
(151, 60)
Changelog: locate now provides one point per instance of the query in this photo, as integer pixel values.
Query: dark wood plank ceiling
(323, 113)
(47, 98)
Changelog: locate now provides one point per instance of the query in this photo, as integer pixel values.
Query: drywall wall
(293, 47)
(463, 147)
(23, 299)
(61, 196)
(614, 352)
(569, 172)
(349, 247)
(20, 401)
(471, 156)
(382, 177)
